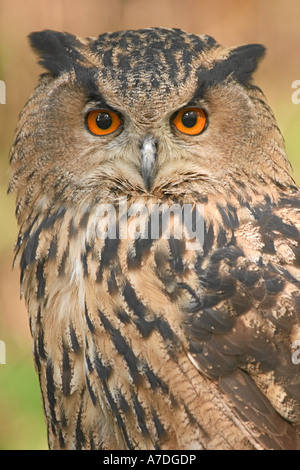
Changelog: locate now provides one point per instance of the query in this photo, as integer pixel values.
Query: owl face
(141, 112)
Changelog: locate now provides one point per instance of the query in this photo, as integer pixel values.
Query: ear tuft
(243, 61)
(59, 52)
(239, 65)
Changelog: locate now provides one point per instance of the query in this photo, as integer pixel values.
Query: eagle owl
(158, 245)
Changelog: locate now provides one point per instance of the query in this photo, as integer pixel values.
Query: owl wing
(241, 314)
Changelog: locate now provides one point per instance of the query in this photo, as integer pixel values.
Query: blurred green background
(274, 23)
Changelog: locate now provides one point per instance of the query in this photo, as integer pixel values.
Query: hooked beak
(148, 160)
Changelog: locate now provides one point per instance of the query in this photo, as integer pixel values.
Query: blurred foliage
(272, 23)
(22, 423)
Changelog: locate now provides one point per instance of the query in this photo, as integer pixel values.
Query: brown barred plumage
(145, 342)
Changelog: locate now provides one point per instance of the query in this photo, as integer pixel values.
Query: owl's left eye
(102, 121)
(191, 121)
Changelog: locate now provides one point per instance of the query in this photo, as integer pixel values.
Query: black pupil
(104, 121)
(189, 119)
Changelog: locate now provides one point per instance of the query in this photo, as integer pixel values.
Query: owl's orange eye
(190, 121)
(102, 121)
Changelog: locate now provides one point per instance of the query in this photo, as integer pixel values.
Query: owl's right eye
(102, 121)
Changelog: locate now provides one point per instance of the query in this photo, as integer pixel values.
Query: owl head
(155, 112)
